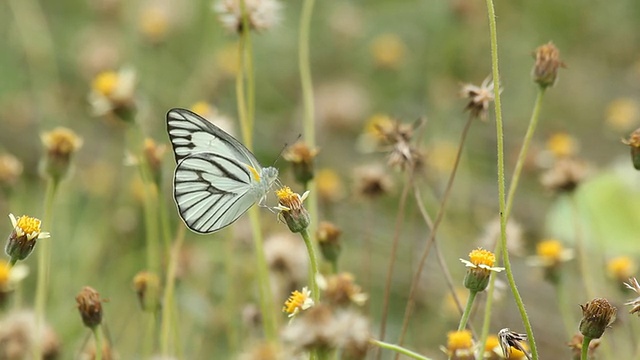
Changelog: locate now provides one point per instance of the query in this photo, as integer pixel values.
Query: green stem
(501, 180)
(306, 83)
(313, 271)
(97, 334)
(513, 186)
(398, 349)
(583, 258)
(168, 303)
(44, 259)
(585, 348)
(240, 94)
(467, 310)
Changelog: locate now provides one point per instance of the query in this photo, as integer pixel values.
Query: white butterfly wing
(213, 190)
(191, 134)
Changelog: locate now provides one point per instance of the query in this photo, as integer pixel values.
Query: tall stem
(97, 334)
(44, 260)
(168, 297)
(398, 349)
(585, 348)
(313, 262)
(501, 181)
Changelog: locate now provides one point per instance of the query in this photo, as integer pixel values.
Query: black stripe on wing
(206, 187)
(191, 134)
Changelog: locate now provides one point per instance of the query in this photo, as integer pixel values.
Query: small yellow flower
(22, 240)
(61, 142)
(298, 301)
(481, 263)
(562, 144)
(291, 209)
(550, 252)
(388, 51)
(622, 114)
(113, 92)
(147, 287)
(459, 345)
(492, 349)
(105, 83)
(621, 267)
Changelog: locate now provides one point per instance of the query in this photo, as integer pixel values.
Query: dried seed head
(261, 14)
(545, 70)
(512, 341)
(565, 175)
(597, 315)
(90, 307)
(301, 157)
(20, 334)
(479, 98)
(328, 236)
(341, 290)
(372, 181)
(60, 144)
(10, 171)
(147, 287)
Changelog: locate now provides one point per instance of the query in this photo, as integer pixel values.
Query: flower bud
(60, 144)
(545, 70)
(90, 307)
(597, 315)
(301, 158)
(292, 211)
(329, 240)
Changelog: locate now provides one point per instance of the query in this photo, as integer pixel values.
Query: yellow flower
(388, 51)
(481, 263)
(622, 114)
(154, 22)
(298, 301)
(621, 267)
(329, 185)
(459, 345)
(105, 83)
(113, 92)
(550, 252)
(291, 209)
(562, 144)
(22, 240)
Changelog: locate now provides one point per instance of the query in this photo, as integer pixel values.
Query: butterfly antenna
(284, 147)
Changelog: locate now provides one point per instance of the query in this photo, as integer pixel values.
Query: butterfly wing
(212, 191)
(192, 134)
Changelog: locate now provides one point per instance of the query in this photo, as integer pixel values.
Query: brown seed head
(301, 156)
(90, 307)
(576, 345)
(545, 70)
(597, 315)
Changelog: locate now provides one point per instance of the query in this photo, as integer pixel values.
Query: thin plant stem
(168, 296)
(565, 312)
(434, 229)
(392, 256)
(306, 83)
(398, 349)
(313, 262)
(97, 335)
(501, 179)
(583, 258)
(585, 348)
(513, 186)
(467, 310)
(44, 260)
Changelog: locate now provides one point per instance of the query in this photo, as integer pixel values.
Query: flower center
(28, 225)
(549, 249)
(105, 83)
(482, 257)
(457, 340)
(295, 301)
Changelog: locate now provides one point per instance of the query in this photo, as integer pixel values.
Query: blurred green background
(406, 59)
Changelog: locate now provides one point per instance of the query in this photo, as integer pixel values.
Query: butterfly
(217, 179)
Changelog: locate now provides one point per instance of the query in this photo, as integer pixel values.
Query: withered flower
(479, 98)
(597, 315)
(60, 144)
(90, 307)
(510, 339)
(545, 70)
(634, 145)
(147, 287)
(328, 236)
(565, 175)
(301, 157)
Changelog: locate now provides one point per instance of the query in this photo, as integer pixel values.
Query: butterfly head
(269, 176)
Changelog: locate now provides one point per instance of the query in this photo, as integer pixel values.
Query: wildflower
(622, 114)
(10, 171)
(341, 105)
(403, 154)
(479, 98)
(325, 329)
(621, 268)
(634, 145)
(298, 301)
(561, 145)
(9, 277)
(261, 14)
(60, 144)
(340, 289)
(545, 70)
(329, 186)
(22, 240)
(480, 266)
(597, 315)
(113, 93)
(635, 303)
(576, 346)
(388, 51)
(565, 175)
(154, 22)
(511, 341)
(301, 157)
(20, 333)
(291, 210)
(492, 350)
(328, 236)
(459, 345)
(550, 254)
(147, 287)
(90, 307)
(372, 181)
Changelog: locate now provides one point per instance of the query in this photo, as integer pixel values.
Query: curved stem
(467, 310)
(398, 349)
(434, 229)
(501, 181)
(168, 297)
